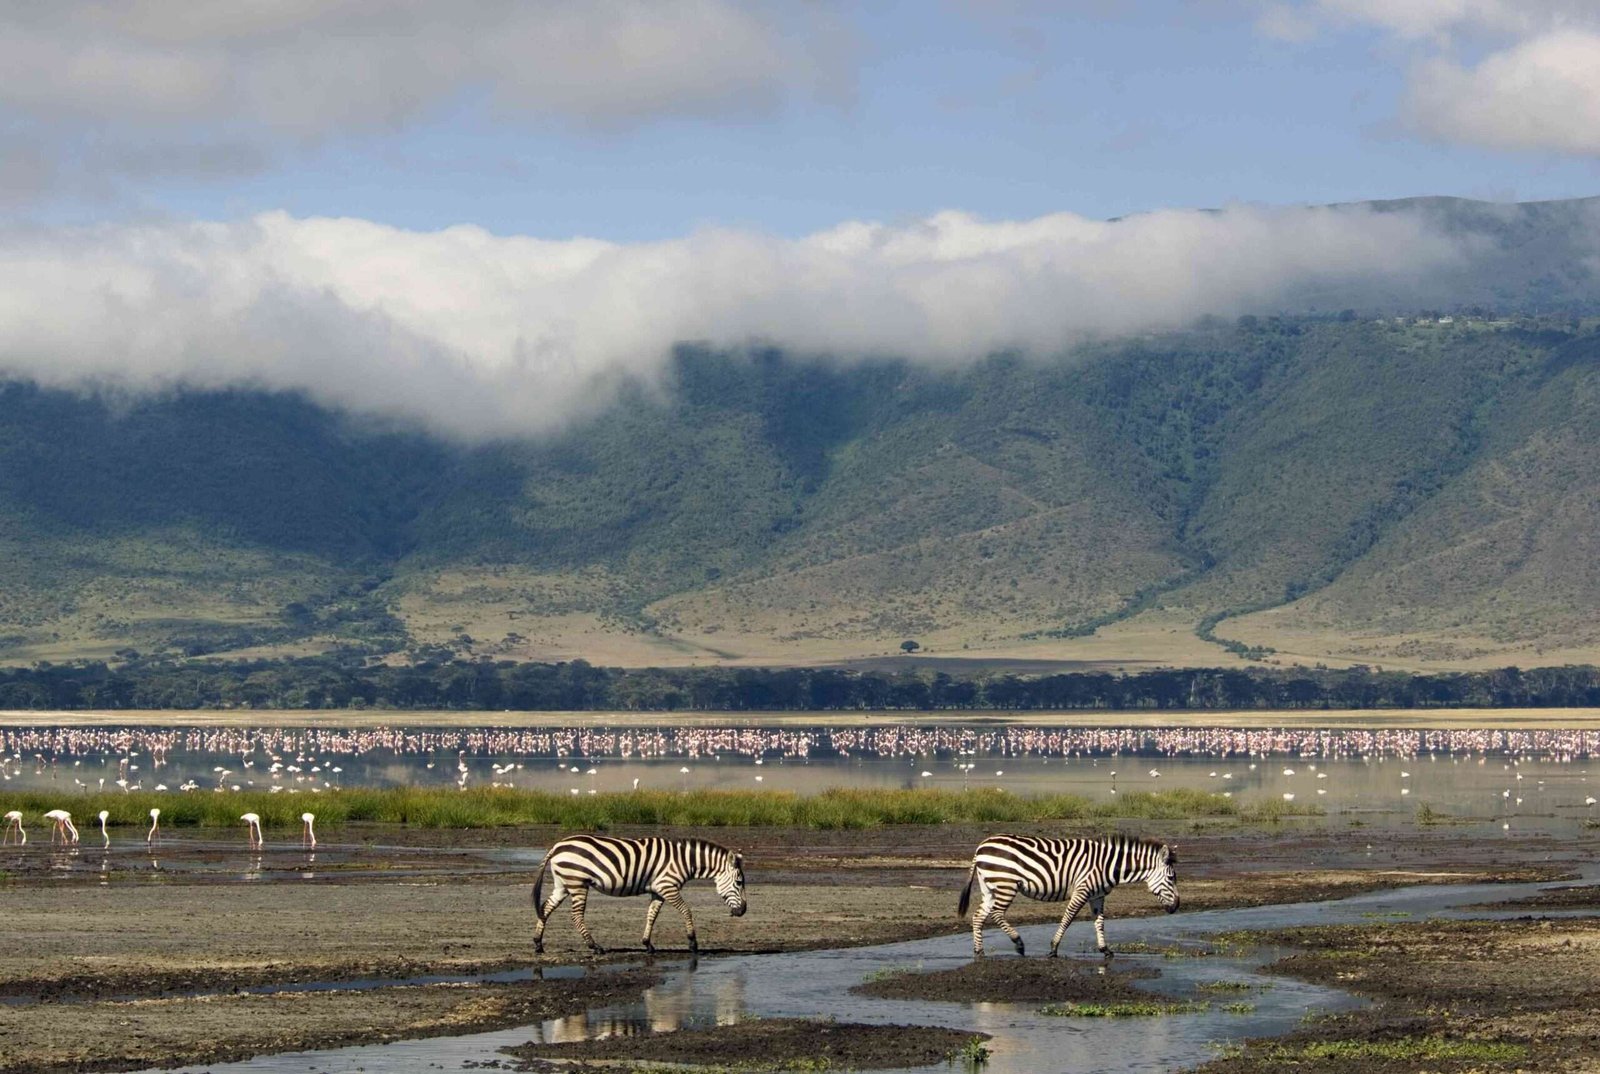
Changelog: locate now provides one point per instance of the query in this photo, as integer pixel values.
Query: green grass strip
(1131, 1009)
(1406, 1048)
(502, 807)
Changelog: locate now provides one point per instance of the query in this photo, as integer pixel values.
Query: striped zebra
(1078, 870)
(653, 866)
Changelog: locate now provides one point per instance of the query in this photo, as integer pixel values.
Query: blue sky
(480, 213)
(1003, 110)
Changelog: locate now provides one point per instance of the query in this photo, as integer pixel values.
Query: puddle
(816, 985)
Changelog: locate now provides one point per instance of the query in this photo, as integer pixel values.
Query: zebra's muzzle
(737, 911)
(1172, 907)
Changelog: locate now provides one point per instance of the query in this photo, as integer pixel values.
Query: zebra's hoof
(1052, 953)
(1108, 953)
(1021, 951)
(596, 949)
(694, 947)
(649, 948)
(538, 947)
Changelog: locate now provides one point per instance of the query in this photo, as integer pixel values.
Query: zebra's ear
(1170, 853)
(738, 860)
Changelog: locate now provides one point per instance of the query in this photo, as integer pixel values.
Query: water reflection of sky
(1537, 778)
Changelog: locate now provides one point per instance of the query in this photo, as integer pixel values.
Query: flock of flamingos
(65, 832)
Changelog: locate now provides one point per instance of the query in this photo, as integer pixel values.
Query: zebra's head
(730, 883)
(1162, 879)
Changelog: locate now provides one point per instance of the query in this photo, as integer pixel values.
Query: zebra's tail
(538, 891)
(966, 892)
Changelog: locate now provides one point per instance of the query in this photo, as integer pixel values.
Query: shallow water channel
(817, 984)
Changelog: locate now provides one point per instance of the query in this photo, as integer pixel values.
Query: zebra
(1078, 870)
(654, 866)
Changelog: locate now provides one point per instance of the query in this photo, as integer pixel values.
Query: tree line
(329, 683)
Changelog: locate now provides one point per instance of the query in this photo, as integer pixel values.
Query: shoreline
(1287, 719)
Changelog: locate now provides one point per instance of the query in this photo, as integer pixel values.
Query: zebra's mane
(1143, 844)
(713, 852)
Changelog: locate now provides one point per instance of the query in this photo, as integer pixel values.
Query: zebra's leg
(1074, 904)
(1002, 903)
(1099, 908)
(580, 902)
(981, 915)
(650, 921)
(558, 891)
(675, 899)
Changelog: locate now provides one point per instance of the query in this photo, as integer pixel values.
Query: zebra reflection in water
(654, 866)
(1078, 870)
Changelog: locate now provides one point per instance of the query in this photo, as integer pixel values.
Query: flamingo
(14, 824)
(254, 823)
(64, 827)
(103, 833)
(308, 837)
(155, 825)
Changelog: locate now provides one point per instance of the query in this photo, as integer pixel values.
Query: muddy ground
(1453, 996)
(764, 1044)
(1015, 980)
(145, 953)
(1560, 897)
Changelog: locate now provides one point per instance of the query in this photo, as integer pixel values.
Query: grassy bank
(491, 807)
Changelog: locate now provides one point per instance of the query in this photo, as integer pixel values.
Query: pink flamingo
(64, 827)
(155, 825)
(308, 837)
(14, 824)
(103, 833)
(254, 823)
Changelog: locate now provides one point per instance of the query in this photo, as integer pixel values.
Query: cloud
(1438, 20)
(84, 73)
(1533, 82)
(480, 335)
(1544, 93)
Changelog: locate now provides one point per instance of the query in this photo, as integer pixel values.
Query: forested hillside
(1344, 488)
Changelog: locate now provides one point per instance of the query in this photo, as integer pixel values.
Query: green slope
(1344, 486)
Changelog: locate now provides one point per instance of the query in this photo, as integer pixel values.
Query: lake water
(1528, 779)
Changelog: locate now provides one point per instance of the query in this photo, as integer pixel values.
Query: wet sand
(144, 964)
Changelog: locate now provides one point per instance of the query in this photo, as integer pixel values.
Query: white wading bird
(64, 827)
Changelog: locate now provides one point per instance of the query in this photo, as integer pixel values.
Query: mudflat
(765, 1044)
(151, 955)
(1482, 996)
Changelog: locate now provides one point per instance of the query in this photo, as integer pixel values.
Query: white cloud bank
(478, 335)
(1498, 74)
